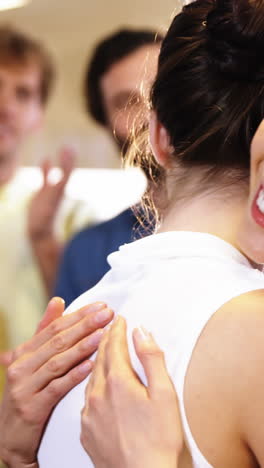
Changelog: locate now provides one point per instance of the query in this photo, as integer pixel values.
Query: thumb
(55, 309)
(153, 362)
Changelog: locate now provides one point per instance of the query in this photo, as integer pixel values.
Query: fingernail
(57, 300)
(103, 315)
(142, 334)
(85, 367)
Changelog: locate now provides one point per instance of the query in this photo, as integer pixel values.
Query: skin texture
(42, 371)
(141, 415)
(38, 374)
(224, 384)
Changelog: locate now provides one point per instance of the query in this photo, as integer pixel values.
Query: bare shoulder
(241, 322)
(232, 343)
(245, 302)
(238, 323)
(225, 381)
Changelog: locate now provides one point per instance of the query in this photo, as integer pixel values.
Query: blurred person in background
(30, 246)
(118, 75)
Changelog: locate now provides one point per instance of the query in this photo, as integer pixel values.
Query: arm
(252, 380)
(136, 418)
(42, 371)
(224, 384)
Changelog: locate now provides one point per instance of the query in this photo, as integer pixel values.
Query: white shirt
(172, 283)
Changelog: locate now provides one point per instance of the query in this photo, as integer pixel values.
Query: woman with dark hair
(197, 284)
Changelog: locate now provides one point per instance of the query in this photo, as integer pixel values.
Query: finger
(153, 362)
(61, 342)
(117, 354)
(45, 169)
(97, 380)
(61, 363)
(58, 388)
(88, 391)
(67, 162)
(88, 318)
(55, 309)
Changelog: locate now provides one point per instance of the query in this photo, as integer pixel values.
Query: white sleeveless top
(171, 283)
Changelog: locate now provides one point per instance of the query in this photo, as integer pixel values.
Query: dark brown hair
(209, 89)
(18, 48)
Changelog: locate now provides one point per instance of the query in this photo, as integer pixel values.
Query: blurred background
(51, 239)
(39, 216)
(70, 29)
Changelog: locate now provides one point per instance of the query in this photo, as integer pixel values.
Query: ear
(159, 141)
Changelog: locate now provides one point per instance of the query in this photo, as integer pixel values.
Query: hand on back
(125, 423)
(42, 371)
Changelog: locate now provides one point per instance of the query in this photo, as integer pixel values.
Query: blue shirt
(84, 261)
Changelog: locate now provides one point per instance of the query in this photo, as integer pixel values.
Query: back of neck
(210, 213)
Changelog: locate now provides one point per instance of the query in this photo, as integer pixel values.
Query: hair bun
(235, 30)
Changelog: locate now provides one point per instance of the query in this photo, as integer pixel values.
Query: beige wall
(70, 28)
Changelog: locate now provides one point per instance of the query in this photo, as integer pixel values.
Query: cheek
(121, 123)
(29, 119)
(251, 239)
